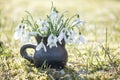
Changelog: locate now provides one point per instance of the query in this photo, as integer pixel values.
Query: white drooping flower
(45, 24)
(39, 22)
(53, 15)
(52, 41)
(42, 23)
(62, 35)
(43, 28)
(78, 22)
(56, 27)
(22, 33)
(18, 34)
(19, 31)
(26, 37)
(41, 46)
(71, 35)
(81, 39)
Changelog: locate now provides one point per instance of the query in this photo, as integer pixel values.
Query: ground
(97, 59)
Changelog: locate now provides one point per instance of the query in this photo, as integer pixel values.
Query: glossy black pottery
(55, 57)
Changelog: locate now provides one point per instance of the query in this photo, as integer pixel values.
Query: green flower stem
(72, 18)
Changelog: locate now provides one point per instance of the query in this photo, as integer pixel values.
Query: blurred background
(102, 28)
(98, 14)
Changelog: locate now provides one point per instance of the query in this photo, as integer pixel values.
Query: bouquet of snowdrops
(56, 27)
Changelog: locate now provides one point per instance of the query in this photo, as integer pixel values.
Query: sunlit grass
(98, 59)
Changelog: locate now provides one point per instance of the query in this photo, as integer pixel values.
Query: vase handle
(24, 54)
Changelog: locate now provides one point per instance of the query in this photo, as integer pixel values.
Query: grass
(98, 59)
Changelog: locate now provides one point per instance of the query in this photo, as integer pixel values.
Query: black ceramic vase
(55, 57)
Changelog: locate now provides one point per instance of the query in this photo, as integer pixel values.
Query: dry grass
(98, 59)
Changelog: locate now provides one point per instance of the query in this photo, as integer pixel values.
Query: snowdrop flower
(39, 22)
(45, 26)
(81, 39)
(26, 37)
(52, 41)
(43, 29)
(62, 27)
(62, 35)
(42, 23)
(53, 15)
(45, 23)
(19, 32)
(22, 33)
(41, 46)
(71, 36)
(78, 22)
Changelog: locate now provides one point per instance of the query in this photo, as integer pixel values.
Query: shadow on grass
(66, 73)
(63, 74)
(69, 73)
